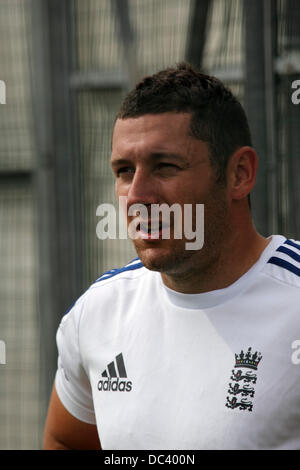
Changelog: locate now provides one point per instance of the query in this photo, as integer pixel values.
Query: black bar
(112, 370)
(197, 32)
(121, 366)
(15, 176)
(255, 105)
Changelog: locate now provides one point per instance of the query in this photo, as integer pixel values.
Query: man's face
(156, 161)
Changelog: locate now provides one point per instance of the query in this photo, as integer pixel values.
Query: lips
(150, 226)
(151, 229)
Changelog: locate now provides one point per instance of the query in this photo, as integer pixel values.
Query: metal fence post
(255, 105)
(57, 176)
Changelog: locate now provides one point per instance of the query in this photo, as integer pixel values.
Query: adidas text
(115, 385)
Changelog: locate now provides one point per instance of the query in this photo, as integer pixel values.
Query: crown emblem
(248, 359)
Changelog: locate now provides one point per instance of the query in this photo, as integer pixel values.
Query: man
(184, 348)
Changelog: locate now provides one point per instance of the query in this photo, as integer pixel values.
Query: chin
(163, 260)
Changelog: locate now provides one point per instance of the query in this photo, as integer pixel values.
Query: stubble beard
(171, 259)
(175, 260)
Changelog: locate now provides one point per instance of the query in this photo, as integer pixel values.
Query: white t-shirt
(157, 369)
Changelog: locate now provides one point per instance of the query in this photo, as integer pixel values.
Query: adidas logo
(112, 376)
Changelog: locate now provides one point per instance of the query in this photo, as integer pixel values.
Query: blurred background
(66, 65)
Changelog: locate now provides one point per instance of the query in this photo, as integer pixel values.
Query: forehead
(166, 131)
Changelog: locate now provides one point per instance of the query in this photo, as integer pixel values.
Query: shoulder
(130, 272)
(284, 264)
(111, 284)
(121, 280)
(108, 301)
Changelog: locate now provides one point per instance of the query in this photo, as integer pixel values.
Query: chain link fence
(105, 60)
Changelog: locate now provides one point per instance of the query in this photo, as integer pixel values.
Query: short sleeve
(71, 381)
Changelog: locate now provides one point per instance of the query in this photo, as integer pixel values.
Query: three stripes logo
(113, 375)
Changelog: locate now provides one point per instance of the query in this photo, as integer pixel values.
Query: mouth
(151, 230)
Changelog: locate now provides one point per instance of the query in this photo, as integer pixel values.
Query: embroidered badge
(241, 389)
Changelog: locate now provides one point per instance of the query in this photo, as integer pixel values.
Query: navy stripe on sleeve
(284, 264)
(289, 252)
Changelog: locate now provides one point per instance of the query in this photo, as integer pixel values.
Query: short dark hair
(217, 116)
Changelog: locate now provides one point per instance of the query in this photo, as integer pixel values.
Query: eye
(124, 170)
(167, 165)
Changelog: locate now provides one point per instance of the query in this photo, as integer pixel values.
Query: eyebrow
(155, 155)
(173, 156)
(119, 161)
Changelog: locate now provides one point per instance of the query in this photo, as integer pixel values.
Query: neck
(237, 255)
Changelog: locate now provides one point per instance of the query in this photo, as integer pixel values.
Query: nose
(142, 189)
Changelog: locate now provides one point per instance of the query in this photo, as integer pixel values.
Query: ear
(241, 172)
